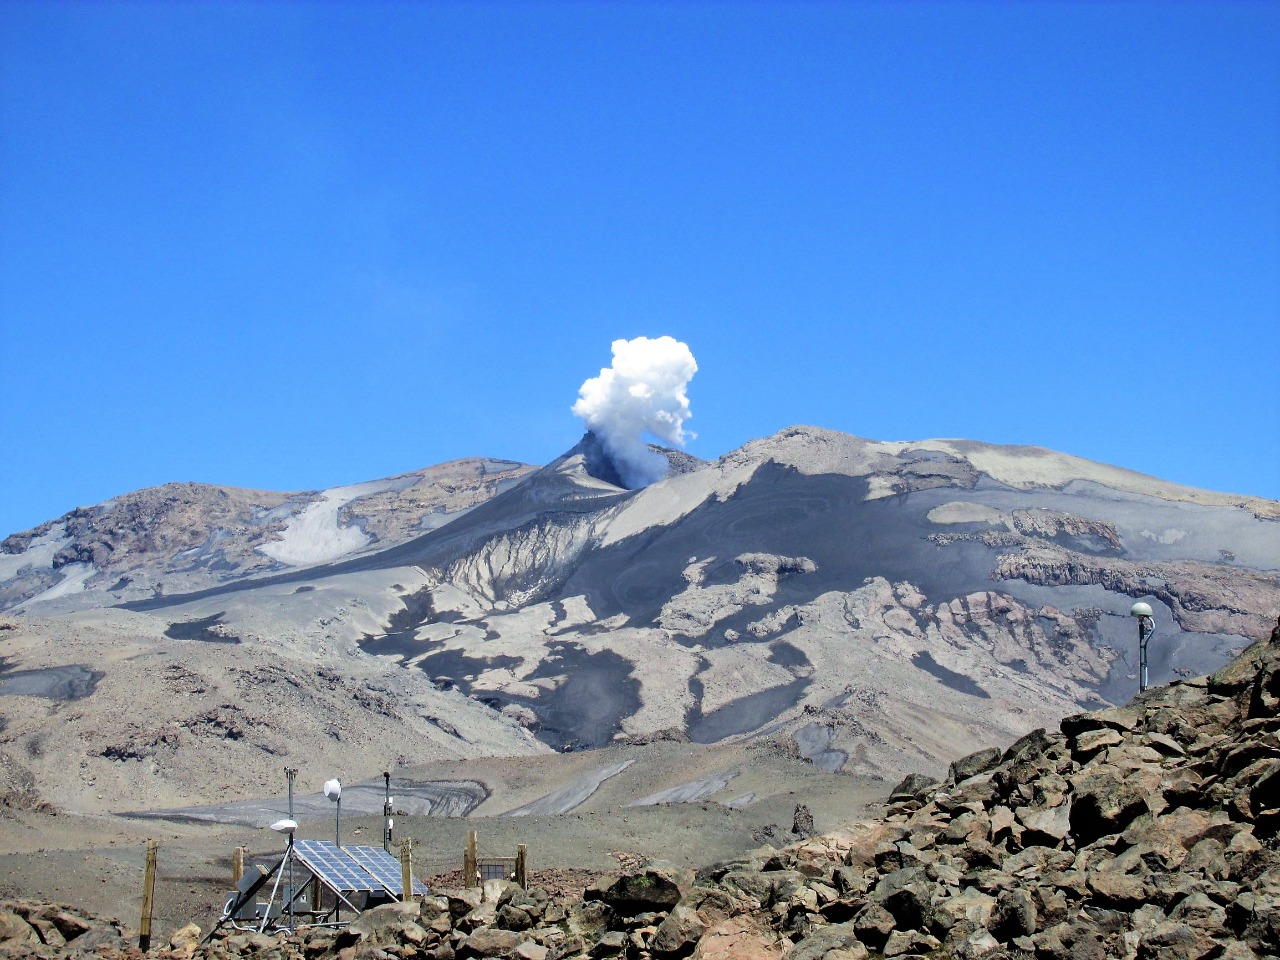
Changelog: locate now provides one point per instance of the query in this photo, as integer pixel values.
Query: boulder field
(1144, 831)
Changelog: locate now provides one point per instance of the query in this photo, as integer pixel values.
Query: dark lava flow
(584, 712)
(780, 511)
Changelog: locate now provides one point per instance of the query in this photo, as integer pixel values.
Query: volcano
(871, 608)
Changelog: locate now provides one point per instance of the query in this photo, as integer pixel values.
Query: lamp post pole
(290, 773)
(333, 790)
(1141, 612)
(386, 811)
(1146, 627)
(288, 854)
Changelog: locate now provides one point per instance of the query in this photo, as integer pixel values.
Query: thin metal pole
(266, 914)
(290, 773)
(337, 842)
(386, 811)
(1146, 627)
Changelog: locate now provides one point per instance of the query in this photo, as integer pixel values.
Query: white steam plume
(642, 393)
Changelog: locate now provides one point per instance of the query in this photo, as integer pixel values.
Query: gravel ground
(97, 863)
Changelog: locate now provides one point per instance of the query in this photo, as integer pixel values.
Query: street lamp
(333, 790)
(1146, 627)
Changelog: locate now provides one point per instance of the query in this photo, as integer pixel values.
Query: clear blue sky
(292, 245)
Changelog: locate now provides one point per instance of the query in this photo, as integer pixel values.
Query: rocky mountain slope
(182, 537)
(873, 608)
(1141, 832)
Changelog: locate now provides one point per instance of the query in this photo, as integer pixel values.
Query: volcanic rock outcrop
(181, 537)
(29, 928)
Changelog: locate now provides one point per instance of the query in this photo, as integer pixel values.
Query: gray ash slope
(876, 607)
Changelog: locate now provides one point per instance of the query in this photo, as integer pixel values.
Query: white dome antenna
(333, 790)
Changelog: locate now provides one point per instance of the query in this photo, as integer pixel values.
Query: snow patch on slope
(73, 579)
(38, 555)
(316, 536)
(694, 791)
(575, 794)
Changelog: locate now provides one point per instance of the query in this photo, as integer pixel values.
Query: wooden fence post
(406, 870)
(237, 866)
(148, 897)
(470, 861)
(522, 866)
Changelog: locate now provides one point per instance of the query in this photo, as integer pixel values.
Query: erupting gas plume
(642, 393)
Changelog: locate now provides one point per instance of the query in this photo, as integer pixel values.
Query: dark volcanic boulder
(874, 925)
(838, 939)
(679, 933)
(1078, 940)
(974, 764)
(387, 923)
(489, 942)
(657, 887)
(1014, 915)
(15, 932)
(912, 787)
(1103, 802)
(908, 895)
(802, 822)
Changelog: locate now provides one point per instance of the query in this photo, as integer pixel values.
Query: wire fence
(189, 890)
(185, 891)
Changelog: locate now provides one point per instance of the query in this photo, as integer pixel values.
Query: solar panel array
(384, 868)
(334, 867)
(354, 869)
